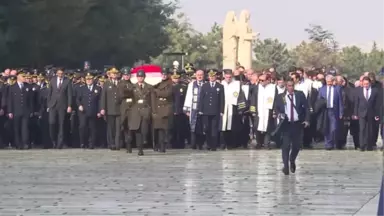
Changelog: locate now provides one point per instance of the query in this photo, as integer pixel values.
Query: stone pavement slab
(186, 182)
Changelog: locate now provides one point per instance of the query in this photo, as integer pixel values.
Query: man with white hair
(334, 109)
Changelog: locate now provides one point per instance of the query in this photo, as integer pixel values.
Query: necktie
(292, 107)
(60, 82)
(141, 86)
(213, 85)
(366, 94)
(329, 97)
(90, 88)
(21, 85)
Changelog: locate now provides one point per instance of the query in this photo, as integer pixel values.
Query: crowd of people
(200, 109)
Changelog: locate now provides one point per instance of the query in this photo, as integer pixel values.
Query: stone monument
(237, 40)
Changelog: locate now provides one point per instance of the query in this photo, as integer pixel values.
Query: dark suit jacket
(338, 106)
(212, 99)
(59, 98)
(364, 108)
(20, 101)
(90, 100)
(301, 105)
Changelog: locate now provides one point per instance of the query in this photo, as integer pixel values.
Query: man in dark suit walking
(20, 109)
(367, 110)
(59, 103)
(291, 107)
(211, 107)
(335, 109)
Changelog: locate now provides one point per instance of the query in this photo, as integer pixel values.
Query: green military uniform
(143, 99)
(126, 89)
(162, 111)
(110, 104)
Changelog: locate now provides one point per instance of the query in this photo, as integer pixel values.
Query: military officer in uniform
(87, 100)
(143, 100)
(126, 100)
(211, 108)
(180, 120)
(20, 109)
(162, 111)
(110, 107)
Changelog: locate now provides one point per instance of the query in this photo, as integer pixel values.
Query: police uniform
(143, 99)
(20, 108)
(2, 113)
(9, 134)
(211, 107)
(87, 100)
(110, 104)
(43, 123)
(126, 89)
(162, 111)
(33, 123)
(180, 120)
(74, 118)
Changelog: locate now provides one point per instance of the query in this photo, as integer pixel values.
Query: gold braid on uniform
(252, 108)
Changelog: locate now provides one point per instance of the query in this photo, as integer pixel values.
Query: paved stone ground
(186, 182)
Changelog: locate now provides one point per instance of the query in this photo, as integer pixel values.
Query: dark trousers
(21, 131)
(57, 118)
(75, 132)
(161, 139)
(197, 140)
(43, 123)
(88, 130)
(141, 135)
(211, 128)
(34, 130)
(9, 133)
(179, 129)
(354, 131)
(127, 135)
(101, 132)
(330, 137)
(262, 138)
(113, 131)
(292, 137)
(231, 138)
(2, 132)
(342, 133)
(366, 133)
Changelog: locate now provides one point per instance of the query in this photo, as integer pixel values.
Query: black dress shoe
(141, 153)
(293, 167)
(328, 149)
(362, 149)
(91, 147)
(285, 170)
(129, 151)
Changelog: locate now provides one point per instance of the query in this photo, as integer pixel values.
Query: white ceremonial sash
(231, 93)
(245, 89)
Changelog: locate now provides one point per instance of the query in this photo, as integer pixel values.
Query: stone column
(246, 38)
(230, 41)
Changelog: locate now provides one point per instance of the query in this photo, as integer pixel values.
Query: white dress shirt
(330, 88)
(369, 93)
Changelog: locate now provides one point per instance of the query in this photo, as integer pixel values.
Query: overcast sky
(353, 22)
